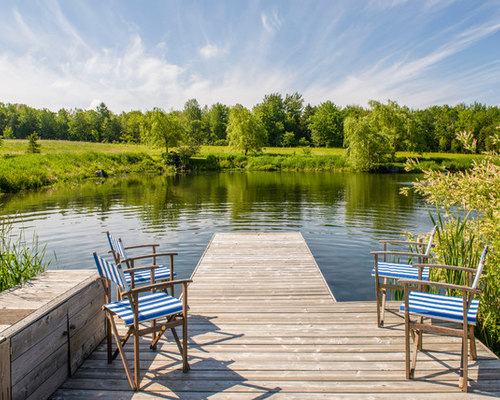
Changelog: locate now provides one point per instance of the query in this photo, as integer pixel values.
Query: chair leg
(109, 341)
(407, 347)
(420, 335)
(185, 364)
(472, 338)
(377, 288)
(137, 360)
(462, 383)
(384, 296)
(416, 348)
(122, 352)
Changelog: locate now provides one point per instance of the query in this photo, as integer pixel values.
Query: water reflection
(340, 215)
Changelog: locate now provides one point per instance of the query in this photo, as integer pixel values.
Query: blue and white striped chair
(459, 310)
(157, 306)
(142, 275)
(387, 273)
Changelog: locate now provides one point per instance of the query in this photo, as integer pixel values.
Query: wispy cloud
(272, 22)
(211, 51)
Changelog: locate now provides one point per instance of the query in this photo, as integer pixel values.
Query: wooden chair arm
(141, 245)
(400, 253)
(148, 256)
(403, 242)
(135, 269)
(160, 285)
(438, 284)
(454, 267)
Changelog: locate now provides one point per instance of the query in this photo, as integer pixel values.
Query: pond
(341, 216)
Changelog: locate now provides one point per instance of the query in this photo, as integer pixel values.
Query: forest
(280, 121)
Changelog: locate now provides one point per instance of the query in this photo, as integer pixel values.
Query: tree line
(277, 120)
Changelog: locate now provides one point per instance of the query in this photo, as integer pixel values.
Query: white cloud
(271, 22)
(211, 51)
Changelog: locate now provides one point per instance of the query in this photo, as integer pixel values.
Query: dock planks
(264, 324)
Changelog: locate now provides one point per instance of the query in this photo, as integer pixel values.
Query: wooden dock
(264, 324)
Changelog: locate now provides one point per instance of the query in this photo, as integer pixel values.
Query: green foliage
(29, 171)
(244, 131)
(20, 260)
(477, 193)
(271, 115)
(366, 147)
(8, 133)
(33, 145)
(161, 129)
(326, 125)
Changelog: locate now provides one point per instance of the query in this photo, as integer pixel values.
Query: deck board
(264, 324)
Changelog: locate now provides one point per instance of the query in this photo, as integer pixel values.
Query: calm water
(341, 216)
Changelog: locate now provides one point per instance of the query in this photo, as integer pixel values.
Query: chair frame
(381, 287)
(172, 321)
(466, 332)
(130, 262)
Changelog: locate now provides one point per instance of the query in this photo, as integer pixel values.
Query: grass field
(64, 161)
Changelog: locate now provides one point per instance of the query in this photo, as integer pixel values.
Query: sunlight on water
(341, 216)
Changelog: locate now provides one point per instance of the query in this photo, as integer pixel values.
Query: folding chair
(460, 310)
(390, 272)
(142, 276)
(136, 309)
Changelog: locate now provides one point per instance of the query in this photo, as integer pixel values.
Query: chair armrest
(400, 253)
(439, 284)
(141, 245)
(403, 242)
(157, 286)
(148, 256)
(454, 267)
(135, 269)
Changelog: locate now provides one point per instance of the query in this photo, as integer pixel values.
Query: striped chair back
(116, 246)
(112, 272)
(480, 268)
(431, 238)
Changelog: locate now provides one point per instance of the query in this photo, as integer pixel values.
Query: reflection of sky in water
(341, 216)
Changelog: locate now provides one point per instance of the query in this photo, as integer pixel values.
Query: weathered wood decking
(263, 324)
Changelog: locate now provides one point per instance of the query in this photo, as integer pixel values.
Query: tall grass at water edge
(458, 244)
(31, 171)
(20, 259)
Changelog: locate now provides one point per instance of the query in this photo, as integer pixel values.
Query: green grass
(65, 161)
(20, 260)
(69, 162)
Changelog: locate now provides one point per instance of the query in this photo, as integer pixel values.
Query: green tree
(244, 130)
(366, 147)
(33, 145)
(327, 126)
(161, 129)
(218, 117)
(271, 114)
(8, 133)
(131, 126)
(192, 113)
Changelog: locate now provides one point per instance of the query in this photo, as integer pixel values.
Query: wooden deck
(263, 324)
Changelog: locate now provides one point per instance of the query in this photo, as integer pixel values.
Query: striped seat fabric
(400, 271)
(447, 308)
(161, 272)
(140, 277)
(151, 306)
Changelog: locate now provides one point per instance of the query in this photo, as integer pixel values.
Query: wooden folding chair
(156, 305)
(387, 273)
(460, 310)
(143, 275)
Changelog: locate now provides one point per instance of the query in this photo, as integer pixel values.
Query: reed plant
(462, 235)
(20, 259)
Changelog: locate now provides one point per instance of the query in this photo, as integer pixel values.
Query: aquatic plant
(20, 259)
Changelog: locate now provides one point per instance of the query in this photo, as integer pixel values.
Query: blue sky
(144, 54)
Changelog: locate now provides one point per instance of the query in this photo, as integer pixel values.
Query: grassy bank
(68, 162)
(63, 161)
